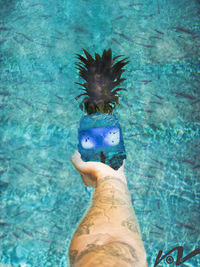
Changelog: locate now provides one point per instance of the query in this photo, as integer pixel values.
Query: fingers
(77, 161)
(123, 165)
(76, 156)
(84, 180)
(121, 168)
(93, 169)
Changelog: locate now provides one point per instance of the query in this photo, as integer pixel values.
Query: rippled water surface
(42, 197)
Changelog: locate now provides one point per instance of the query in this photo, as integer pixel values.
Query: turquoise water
(42, 197)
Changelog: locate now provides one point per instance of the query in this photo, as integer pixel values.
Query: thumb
(77, 161)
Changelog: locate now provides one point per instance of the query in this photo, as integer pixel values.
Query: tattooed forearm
(95, 215)
(109, 203)
(110, 217)
(111, 195)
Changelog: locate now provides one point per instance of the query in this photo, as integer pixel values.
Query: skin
(108, 234)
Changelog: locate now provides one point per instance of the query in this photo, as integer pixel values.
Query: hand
(92, 171)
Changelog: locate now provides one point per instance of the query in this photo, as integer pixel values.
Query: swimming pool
(42, 197)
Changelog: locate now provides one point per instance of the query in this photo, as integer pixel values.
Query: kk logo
(179, 259)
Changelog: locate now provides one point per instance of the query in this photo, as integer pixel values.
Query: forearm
(113, 199)
(109, 218)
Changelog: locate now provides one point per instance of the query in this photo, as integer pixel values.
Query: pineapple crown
(101, 75)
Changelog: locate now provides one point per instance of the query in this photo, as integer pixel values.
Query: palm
(91, 171)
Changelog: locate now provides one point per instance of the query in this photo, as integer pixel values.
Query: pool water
(42, 197)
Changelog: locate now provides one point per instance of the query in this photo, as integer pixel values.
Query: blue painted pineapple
(100, 135)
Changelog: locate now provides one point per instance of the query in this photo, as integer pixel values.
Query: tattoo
(131, 224)
(91, 248)
(84, 227)
(112, 178)
(110, 198)
(114, 201)
(72, 256)
(95, 213)
(98, 214)
(91, 218)
(106, 254)
(106, 178)
(92, 245)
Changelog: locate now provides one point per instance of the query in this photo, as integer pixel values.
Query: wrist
(110, 177)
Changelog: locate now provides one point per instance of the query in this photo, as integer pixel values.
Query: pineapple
(100, 135)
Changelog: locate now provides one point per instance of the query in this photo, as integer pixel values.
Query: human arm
(108, 234)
